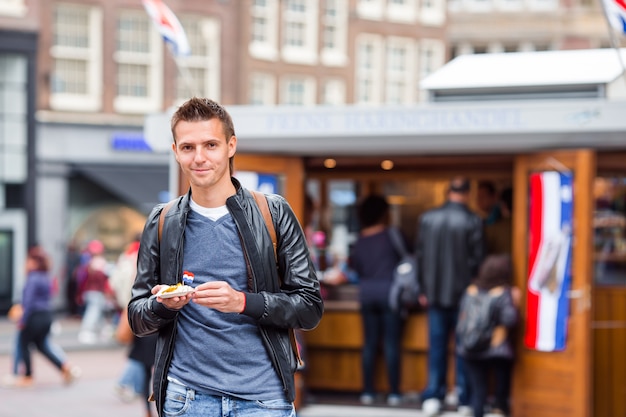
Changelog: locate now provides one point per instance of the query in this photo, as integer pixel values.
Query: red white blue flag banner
(168, 26)
(616, 14)
(549, 260)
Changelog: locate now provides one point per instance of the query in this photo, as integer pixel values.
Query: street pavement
(93, 396)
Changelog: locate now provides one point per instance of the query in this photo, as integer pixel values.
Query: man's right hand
(174, 303)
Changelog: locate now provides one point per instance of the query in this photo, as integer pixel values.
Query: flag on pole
(549, 260)
(616, 14)
(168, 26)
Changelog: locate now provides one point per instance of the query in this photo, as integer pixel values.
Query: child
(489, 307)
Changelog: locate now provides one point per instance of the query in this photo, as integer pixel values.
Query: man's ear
(232, 146)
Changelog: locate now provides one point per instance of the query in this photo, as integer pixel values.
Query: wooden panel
(333, 354)
(557, 384)
(609, 337)
(290, 168)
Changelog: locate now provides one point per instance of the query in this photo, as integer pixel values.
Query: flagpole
(612, 38)
(184, 73)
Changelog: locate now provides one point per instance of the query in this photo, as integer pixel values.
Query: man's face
(203, 153)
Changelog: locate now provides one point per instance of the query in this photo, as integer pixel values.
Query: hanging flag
(549, 260)
(168, 26)
(615, 11)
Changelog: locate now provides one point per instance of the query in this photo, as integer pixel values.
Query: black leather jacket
(297, 303)
(449, 250)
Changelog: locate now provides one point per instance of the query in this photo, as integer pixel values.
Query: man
(449, 250)
(488, 202)
(224, 349)
(498, 234)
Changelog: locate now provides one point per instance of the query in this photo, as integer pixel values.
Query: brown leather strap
(261, 201)
(167, 208)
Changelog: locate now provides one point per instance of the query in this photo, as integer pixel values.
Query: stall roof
(528, 69)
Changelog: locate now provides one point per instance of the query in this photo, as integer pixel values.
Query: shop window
(610, 230)
(6, 268)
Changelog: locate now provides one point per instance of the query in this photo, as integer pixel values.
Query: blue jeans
(381, 323)
(442, 323)
(133, 376)
(183, 401)
(95, 304)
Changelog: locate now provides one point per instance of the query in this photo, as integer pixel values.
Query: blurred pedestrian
(491, 303)
(374, 259)
(498, 234)
(72, 261)
(449, 249)
(135, 378)
(487, 200)
(95, 293)
(36, 320)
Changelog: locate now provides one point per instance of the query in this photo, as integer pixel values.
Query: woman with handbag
(374, 258)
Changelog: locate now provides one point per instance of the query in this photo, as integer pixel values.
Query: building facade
(96, 68)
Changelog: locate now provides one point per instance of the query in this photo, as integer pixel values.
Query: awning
(140, 186)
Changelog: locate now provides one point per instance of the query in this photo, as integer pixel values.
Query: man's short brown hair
(198, 109)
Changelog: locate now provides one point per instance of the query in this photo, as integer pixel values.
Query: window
(431, 58)
(510, 5)
(478, 6)
(400, 72)
(13, 119)
(139, 59)
(76, 76)
(370, 9)
(15, 8)
(433, 12)
(297, 91)
(262, 89)
(199, 73)
(264, 29)
(368, 69)
(300, 31)
(404, 11)
(543, 5)
(334, 32)
(333, 92)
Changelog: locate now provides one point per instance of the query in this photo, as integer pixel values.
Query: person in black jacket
(449, 250)
(223, 349)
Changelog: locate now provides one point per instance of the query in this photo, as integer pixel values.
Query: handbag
(405, 288)
(15, 312)
(123, 332)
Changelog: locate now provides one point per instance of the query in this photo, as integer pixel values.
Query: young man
(449, 250)
(224, 349)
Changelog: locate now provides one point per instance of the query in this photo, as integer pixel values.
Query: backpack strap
(261, 202)
(397, 241)
(167, 208)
